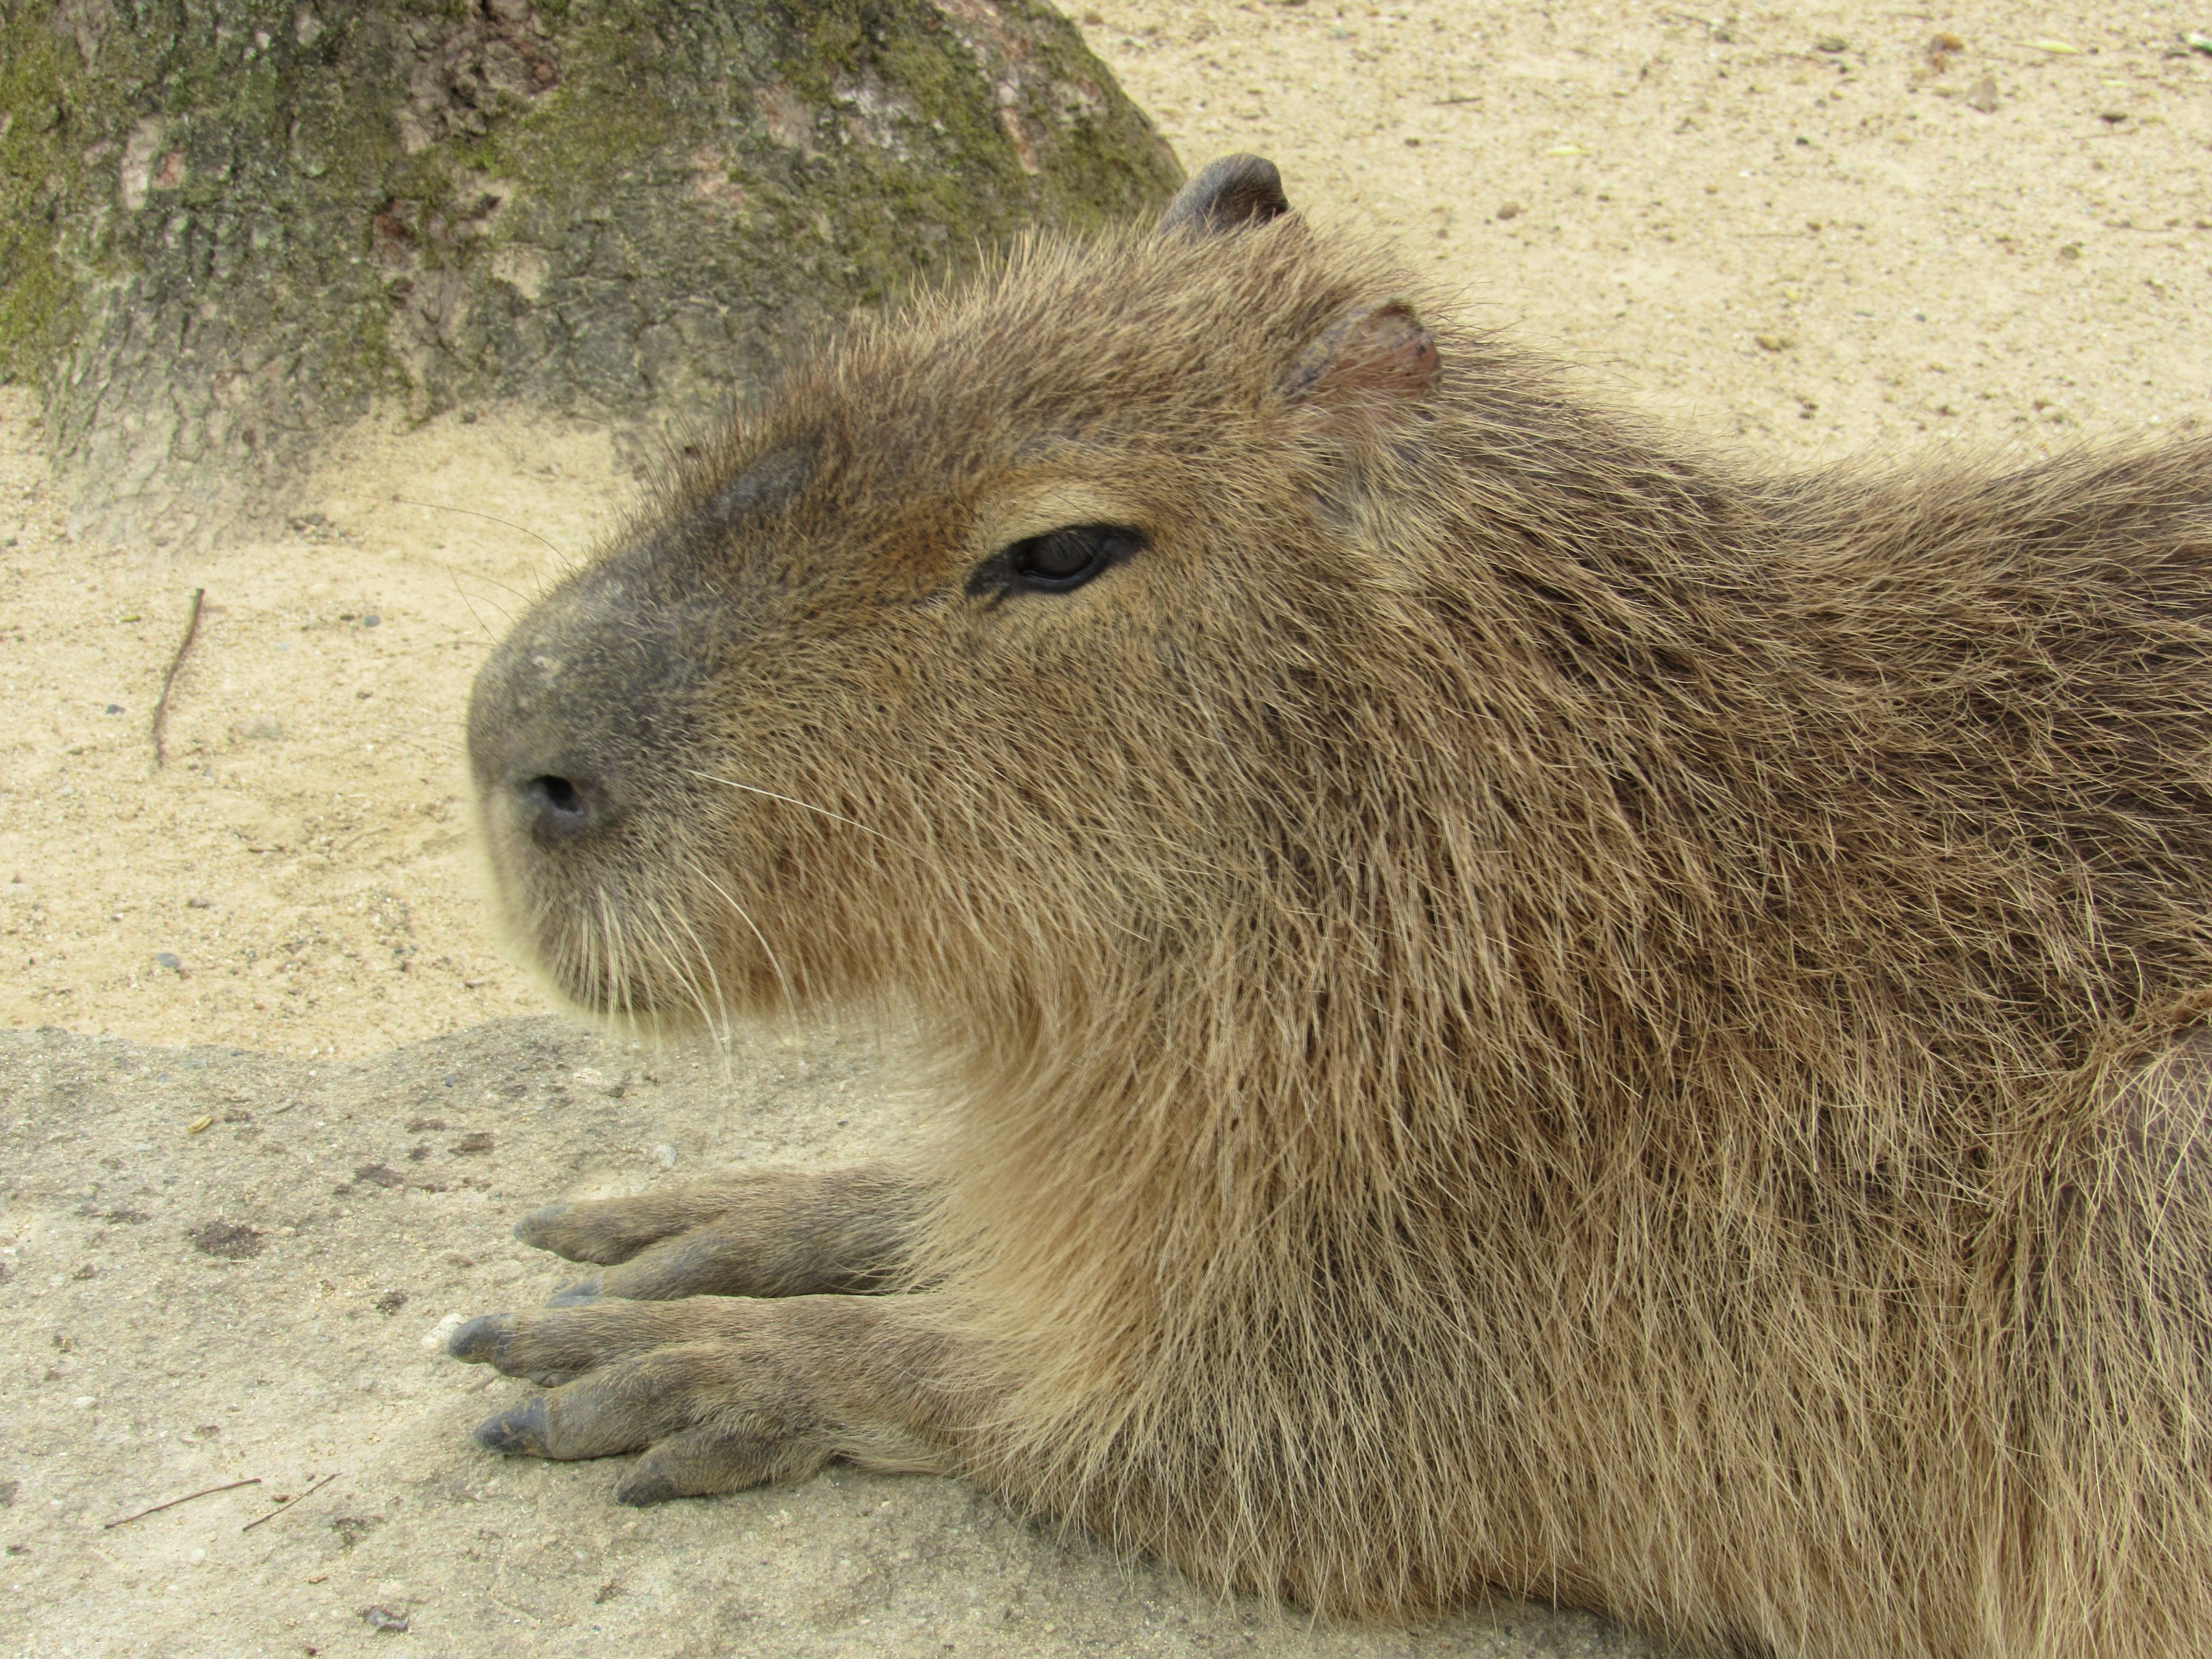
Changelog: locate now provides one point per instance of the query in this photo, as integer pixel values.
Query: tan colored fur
(1515, 1009)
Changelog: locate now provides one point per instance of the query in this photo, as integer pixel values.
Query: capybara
(1513, 1009)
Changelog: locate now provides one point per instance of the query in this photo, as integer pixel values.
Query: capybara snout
(588, 736)
(602, 682)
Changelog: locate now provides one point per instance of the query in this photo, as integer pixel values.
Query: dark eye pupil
(1062, 554)
(1059, 562)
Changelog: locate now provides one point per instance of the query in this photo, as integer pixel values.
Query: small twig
(161, 708)
(288, 1502)
(205, 1492)
(1465, 98)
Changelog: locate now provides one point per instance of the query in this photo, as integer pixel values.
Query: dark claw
(481, 1340)
(551, 1379)
(644, 1494)
(540, 1219)
(576, 1294)
(521, 1429)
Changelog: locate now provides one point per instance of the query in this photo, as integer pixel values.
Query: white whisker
(788, 800)
(620, 1010)
(790, 999)
(558, 552)
(717, 1030)
(684, 967)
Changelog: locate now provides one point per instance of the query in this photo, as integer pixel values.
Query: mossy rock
(228, 229)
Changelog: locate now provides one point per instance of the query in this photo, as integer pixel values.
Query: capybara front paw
(601, 1230)
(754, 1233)
(697, 1386)
(718, 1258)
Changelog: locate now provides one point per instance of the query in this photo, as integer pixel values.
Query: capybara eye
(1061, 560)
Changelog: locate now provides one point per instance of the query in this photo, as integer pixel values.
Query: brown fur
(1515, 1009)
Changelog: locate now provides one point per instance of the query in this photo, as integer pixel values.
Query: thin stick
(161, 708)
(286, 1504)
(205, 1492)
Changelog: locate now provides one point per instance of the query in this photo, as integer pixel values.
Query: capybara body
(1514, 1009)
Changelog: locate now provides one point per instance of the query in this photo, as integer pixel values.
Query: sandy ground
(1798, 234)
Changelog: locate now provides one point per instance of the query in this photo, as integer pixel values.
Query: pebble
(664, 1157)
(170, 960)
(444, 1328)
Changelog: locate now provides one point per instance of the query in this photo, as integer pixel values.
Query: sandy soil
(1797, 232)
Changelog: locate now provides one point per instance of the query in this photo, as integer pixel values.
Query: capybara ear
(1379, 355)
(1228, 194)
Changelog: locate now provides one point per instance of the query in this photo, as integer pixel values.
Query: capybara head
(989, 645)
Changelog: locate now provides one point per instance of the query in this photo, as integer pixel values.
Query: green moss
(1107, 167)
(663, 232)
(35, 308)
(606, 116)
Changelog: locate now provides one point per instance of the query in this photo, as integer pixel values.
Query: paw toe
(541, 1228)
(520, 1430)
(480, 1340)
(577, 1295)
(641, 1489)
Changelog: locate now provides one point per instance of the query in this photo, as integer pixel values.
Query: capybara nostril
(563, 808)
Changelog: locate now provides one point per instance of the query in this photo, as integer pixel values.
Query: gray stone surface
(185, 1307)
(227, 227)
